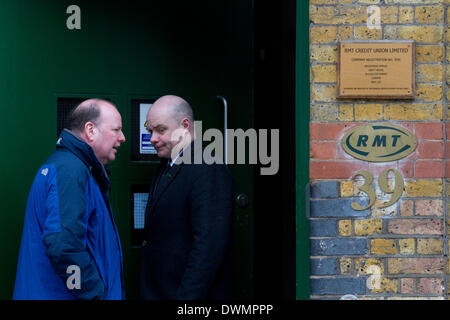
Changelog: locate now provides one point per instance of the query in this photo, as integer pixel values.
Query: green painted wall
(302, 147)
(123, 51)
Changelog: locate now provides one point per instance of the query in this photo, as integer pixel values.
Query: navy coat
(69, 224)
(186, 253)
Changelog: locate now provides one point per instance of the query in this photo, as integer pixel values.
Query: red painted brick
(406, 124)
(416, 226)
(429, 207)
(431, 285)
(323, 150)
(407, 285)
(447, 169)
(429, 130)
(377, 168)
(406, 168)
(447, 130)
(447, 150)
(329, 131)
(429, 150)
(335, 169)
(429, 169)
(418, 265)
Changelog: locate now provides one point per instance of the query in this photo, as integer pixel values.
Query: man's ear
(186, 124)
(90, 130)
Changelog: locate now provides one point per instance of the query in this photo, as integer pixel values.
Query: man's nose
(122, 137)
(153, 138)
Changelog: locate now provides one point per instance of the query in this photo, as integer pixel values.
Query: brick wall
(400, 251)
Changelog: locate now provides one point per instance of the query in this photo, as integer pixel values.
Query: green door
(125, 51)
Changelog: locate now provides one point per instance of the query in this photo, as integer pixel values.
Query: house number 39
(383, 183)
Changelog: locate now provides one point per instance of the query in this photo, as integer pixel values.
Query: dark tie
(162, 173)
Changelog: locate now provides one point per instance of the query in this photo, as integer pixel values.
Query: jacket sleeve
(211, 214)
(65, 233)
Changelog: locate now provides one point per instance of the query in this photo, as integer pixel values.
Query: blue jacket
(70, 246)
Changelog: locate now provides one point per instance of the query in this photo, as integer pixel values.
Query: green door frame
(302, 103)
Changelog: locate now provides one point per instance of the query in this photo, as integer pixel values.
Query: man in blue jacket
(70, 246)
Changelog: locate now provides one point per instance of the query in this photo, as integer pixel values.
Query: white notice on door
(144, 136)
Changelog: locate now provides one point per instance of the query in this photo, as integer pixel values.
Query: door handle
(225, 127)
(242, 200)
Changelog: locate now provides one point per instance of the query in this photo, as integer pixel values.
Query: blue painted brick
(323, 266)
(323, 228)
(337, 208)
(338, 246)
(325, 189)
(339, 286)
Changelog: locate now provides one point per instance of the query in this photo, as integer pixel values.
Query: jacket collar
(68, 140)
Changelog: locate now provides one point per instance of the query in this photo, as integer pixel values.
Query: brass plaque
(377, 69)
(379, 142)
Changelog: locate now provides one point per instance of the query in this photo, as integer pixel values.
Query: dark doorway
(274, 108)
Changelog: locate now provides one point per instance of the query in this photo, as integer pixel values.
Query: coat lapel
(162, 186)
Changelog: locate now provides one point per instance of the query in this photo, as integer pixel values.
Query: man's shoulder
(67, 164)
(203, 168)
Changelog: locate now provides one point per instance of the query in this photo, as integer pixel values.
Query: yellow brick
(429, 72)
(322, 1)
(429, 92)
(425, 34)
(389, 15)
(320, 15)
(323, 53)
(365, 266)
(367, 226)
(406, 246)
(345, 33)
(345, 227)
(324, 73)
(324, 112)
(323, 92)
(337, 14)
(369, 1)
(384, 285)
(429, 54)
(423, 188)
(364, 33)
(393, 266)
(346, 189)
(383, 246)
(448, 265)
(346, 112)
(345, 265)
(447, 71)
(368, 112)
(430, 14)
(430, 246)
(417, 111)
(406, 14)
(447, 34)
(381, 212)
(322, 34)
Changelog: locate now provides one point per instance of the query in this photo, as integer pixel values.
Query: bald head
(170, 121)
(178, 107)
(87, 111)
